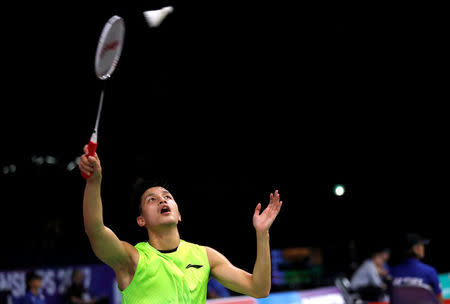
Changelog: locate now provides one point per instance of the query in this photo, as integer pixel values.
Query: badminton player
(166, 269)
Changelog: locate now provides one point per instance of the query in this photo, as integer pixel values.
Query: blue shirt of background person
(31, 298)
(413, 272)
(217, 290)
(34, 285)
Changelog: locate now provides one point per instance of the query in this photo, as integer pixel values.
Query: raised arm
(119, 255)
(258, 283)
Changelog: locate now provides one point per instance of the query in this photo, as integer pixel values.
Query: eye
(167, 196)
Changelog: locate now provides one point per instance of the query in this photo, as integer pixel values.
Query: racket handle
(92, 147)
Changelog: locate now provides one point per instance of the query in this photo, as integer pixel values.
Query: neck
(34, 291)
(164, 239)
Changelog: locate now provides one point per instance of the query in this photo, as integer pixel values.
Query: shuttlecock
(155, 17)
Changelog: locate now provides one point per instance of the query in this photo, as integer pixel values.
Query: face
(159, 209)
(385, 256)
(381, 258)
(419, 251)
(35, 284)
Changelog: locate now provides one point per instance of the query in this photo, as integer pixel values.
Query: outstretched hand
(90, 165)
(263, 221)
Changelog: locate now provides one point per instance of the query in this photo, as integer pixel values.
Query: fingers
(86, 165)
(275, 203)
(89, 164)
(274, 199)
(277, 196)
(273, 208)
(257, 209)
(93, 160)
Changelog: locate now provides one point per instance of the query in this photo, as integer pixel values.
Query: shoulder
(211, 252)
(428, 269)
(215, 257)
(413, 267)
(404, 265)
(140, 252)
(367, 265)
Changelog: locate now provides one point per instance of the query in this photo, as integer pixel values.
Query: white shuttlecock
(155, 17)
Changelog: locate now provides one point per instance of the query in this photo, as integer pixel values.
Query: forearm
(92, 209)
(258, 283)
(261, 277)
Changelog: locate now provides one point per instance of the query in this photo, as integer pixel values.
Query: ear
(140, 221)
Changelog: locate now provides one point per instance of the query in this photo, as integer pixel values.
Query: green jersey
(178, 277)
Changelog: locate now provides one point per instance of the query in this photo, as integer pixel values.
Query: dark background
(230, 100)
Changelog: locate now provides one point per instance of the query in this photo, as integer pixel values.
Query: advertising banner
(99, 280)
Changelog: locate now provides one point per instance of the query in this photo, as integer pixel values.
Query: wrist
(262, 234)
(94, 181)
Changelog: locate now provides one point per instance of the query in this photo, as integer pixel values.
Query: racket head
(109, 47)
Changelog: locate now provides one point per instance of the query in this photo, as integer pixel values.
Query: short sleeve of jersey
(434, 281)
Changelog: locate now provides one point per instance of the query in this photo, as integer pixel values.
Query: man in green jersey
(167, 269)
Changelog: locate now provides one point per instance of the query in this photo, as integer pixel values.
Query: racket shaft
(92, 145)
(99, 111)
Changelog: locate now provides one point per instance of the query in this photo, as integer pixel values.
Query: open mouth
(165, 210)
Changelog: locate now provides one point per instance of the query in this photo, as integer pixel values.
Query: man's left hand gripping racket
(109, 48)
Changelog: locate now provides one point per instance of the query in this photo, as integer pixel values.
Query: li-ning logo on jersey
(109, 47)
(195, 266)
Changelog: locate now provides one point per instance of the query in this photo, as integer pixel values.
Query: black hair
(408, 243)
(141, 185)
(377, 251)
(31, 275)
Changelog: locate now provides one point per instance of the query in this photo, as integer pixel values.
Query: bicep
(112, 251)
(229, 275)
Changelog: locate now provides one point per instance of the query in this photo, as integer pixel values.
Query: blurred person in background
(411, 271)
(371, 278)
(216, 290)
(384, 269)
(5, 296)
(34, 285)
(78, 294)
